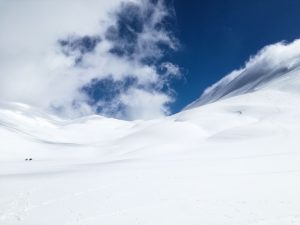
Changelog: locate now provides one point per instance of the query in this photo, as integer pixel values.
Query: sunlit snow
(234, 161)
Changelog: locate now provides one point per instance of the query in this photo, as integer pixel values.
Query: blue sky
(127, 59)
(218, 36)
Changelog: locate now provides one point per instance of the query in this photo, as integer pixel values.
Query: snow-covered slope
(234, 161)
(274, 67)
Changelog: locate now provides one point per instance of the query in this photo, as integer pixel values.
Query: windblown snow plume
(91, 57)
(268, 68)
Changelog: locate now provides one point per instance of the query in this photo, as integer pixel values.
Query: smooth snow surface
(232, 162)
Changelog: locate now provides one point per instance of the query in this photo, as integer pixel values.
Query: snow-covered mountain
(233, 161)
(274, 67)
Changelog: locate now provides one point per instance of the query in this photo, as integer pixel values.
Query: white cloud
(34, 70)
(145, 105)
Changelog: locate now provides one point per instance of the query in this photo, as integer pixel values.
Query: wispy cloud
(82, 57)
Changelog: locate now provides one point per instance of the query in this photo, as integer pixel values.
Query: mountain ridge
(278, 62)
